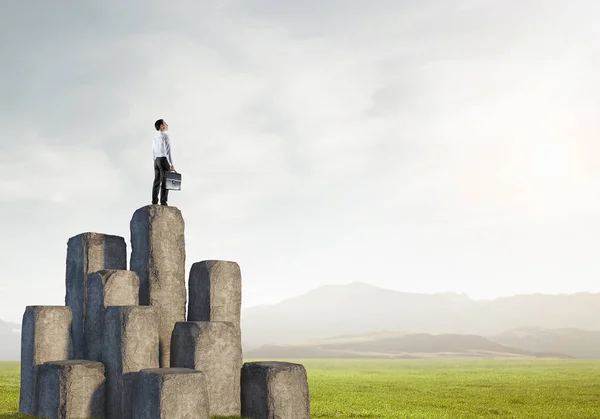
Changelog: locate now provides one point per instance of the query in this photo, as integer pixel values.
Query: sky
(422, 146)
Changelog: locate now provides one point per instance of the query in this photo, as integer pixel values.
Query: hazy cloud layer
(418, 145)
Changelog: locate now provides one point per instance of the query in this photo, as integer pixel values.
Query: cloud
(58, 174)
(309, 134)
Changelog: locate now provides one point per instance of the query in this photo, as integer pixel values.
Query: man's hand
(172, 169)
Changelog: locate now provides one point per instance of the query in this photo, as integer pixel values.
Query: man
(163, 162)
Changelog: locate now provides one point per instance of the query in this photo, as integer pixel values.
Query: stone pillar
(215, 292)
(130, 345)
(215, 349)
(45, 336)
(158, 257)
(106, 288)
(71, 389)
(275, 390)
(87, 253)
(169, 393)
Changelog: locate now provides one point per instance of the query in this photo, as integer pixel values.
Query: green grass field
(428, 389)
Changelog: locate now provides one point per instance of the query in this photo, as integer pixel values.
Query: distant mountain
(394, 345)
(361, 308)
(579, 311)
(10, 336)
(573, 342)
(350, 309)
(555, 323)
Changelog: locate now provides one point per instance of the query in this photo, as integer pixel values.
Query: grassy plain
(434, 388)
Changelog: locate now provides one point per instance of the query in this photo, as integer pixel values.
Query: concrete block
(215, 349)
(215, 292)
(275, 390)
(71, 389)
(87, 253)
(45, 336)
(171, 393)
(130, 345)
(106, 288)
(158, 257)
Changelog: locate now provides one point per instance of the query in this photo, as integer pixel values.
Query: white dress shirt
(162, 147)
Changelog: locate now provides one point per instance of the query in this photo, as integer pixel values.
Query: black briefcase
(173, 181)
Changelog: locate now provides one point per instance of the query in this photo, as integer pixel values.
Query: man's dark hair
(158, 123)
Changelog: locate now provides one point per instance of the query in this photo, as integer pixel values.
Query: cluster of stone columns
(122, 346)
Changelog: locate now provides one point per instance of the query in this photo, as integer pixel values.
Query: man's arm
(168, 151)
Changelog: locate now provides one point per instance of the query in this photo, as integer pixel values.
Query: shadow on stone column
(106, 288)
(130, 345)
(275, 390)
(45, 336)
(171, 393)
(88, 253)
(71, 389)
(213, 348)
(215, 292)
(158, 257)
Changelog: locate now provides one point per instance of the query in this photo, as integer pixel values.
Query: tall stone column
(158, 257)
(88, 253)
(130, 345)
(105, 288)
(215, 349)
(215, 292)
(45, 336)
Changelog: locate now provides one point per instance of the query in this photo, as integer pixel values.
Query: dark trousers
(161, 166)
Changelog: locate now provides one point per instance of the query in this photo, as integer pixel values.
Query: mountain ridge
(387, 344)
(555, 322)
(460, 296)
(359, 307)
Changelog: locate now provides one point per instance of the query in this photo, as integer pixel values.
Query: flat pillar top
(215, 261)
(95, 234)
(53, 308)
(154, 209)
(75, 362)
(278, 365)
(116, 274)
(115, 271)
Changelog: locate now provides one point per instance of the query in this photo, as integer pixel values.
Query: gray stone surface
(106, 288)
(158, 257)
(215, 292)
(171, 393)
(130, 345)
(215, 349)
(71, 389)
(87, 253)
(275, 390)
(45, 336)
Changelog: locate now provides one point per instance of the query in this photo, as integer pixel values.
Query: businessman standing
(163, 162)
